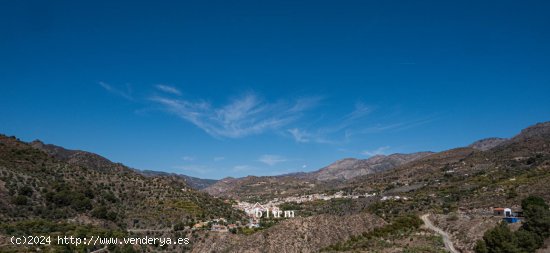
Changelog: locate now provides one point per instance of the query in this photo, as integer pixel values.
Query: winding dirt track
(446, 238)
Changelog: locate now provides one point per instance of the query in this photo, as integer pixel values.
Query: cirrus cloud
(243, 116)
(127, 94)
(272, 159)
(168, 89)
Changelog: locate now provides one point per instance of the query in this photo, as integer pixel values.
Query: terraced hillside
(71, 190)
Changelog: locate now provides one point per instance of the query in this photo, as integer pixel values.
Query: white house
(506, 212)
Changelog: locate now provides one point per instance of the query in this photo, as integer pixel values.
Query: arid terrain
(371, 205)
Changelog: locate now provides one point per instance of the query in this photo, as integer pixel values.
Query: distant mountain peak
(487, 143)
(351, 167)
(344, 161)
(539, 130)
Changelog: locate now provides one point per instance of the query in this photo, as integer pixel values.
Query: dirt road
(446, 238)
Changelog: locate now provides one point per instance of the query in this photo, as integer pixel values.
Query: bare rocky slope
(350, 167)
(488, 143)
(294, 235)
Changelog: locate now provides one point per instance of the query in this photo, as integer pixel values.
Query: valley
(62, 192)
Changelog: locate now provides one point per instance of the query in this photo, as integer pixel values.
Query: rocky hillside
(350, 167)
(294, 235)
(296, 183)
(460, 186)
(538, 131)
(43, 186)
(518, 160)
(78, 157)
(486, 144)
(458, 183)
(66, 191)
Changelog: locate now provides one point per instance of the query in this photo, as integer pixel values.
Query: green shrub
(481, 247)
(103, 212)
(400, 225)
(82, 204)
(26, 191)
(20, 200)
(100, 212)
(533, 201)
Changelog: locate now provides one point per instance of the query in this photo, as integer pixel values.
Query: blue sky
(234, 88)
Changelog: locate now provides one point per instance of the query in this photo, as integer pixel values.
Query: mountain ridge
(193, 182)
(487, 143)
(64, 187)
(66, 191)
(325, 177)
(351, 168)
(459, 187)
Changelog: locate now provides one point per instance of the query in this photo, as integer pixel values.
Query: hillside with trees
(84, 194)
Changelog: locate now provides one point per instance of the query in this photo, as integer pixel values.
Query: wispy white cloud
(188, 158)
(249, 114)
(300, 135)
(334, 133)
(246, 115)
(168, 89)
(378, 151)
(272, 159)
(127, 94)
(304, 136)
(360, 111)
